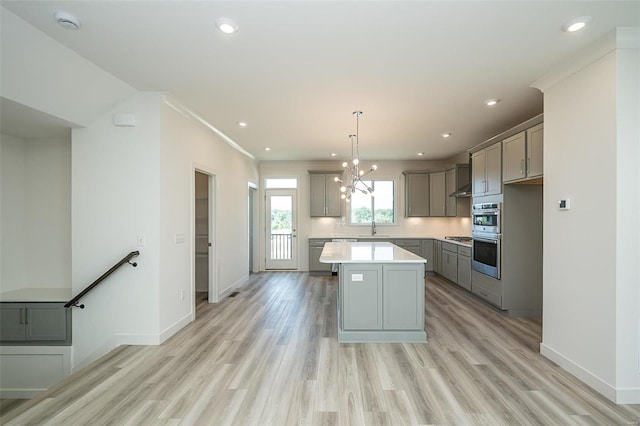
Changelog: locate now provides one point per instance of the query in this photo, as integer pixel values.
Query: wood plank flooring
(269, 356)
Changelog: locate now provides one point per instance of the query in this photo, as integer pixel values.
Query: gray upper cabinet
(437, 194)
(514, 152)
(535, 151)
(324, 194)
(416, 186)
(487, 170)
(522, 155)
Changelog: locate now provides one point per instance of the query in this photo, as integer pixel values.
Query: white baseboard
(177, 326)
(232, 287)
(616, 395)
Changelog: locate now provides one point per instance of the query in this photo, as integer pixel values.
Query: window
(378, 208)
(281, 183)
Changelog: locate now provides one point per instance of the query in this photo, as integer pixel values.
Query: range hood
(464, 191)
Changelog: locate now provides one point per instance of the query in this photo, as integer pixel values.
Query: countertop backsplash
(405, 227)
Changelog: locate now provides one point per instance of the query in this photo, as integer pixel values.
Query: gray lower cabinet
(362, 297)
(42, 323)
(437, 257)
(464, 267)
(450, 261)
(381, 302)
(412, 245)
(315, 250)
(427, 253)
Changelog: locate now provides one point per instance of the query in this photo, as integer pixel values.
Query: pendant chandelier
(353, 171)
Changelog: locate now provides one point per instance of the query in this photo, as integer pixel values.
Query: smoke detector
(67, 20)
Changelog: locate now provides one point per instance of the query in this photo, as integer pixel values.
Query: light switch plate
(357, 277)
(564, 204)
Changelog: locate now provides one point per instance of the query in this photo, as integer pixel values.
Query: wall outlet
(141, 240)
(181, 294)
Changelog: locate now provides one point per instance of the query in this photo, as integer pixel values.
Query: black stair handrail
(126, 259)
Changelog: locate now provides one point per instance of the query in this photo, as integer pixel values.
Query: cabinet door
(437, 195)
(332, 195)
(514, 165)
(535, 151)
(478, 183)
(464, 272)
(427, 253)
(437, 256)
(416, 194)
(315, 250)
(46, 321)
(362, 301)
(451, 203)
(317, 195)
(403, 297)
(450, 265)
(12, 319)
(493, 170)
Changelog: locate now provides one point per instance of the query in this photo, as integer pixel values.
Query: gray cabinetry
(362, 297)
(427, 253)
(456, 178)
(486, 166)
(412, 245)
(47, 323)
(324, 194)
(416, 186)
(522, 155)
(437, 194)
(403, 293)
(315, 250)
(464, 267)
(437, 257)
(450, 261)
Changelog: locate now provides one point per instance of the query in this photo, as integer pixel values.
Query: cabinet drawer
(450, 247)
(487, 295)
(318, 243)
(464, 251)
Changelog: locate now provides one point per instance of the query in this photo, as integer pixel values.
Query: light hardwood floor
(270, 356)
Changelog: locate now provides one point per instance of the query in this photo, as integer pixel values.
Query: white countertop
(392, 237)
(37, 295)
(367, 252)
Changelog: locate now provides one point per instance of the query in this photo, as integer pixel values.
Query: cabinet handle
(27, 315)
(483, 293)
(22, 316)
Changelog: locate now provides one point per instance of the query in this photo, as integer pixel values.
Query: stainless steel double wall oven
(486, 238)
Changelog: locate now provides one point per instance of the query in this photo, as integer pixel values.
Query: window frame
(395, 204)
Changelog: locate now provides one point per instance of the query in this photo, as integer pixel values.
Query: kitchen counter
(390, 237)
(37, 295)
(367, 252)
(380, 292)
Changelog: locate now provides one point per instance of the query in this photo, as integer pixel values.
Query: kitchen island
(380, 292)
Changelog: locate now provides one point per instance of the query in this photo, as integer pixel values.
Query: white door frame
(281, 264)
(213, 249)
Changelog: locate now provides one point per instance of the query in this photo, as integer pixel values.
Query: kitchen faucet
(373, 228)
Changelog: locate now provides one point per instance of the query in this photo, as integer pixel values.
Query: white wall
(326, 227)
(186, 145)
(36, 220)
(115, 199)
(12, 200)
(591, 316)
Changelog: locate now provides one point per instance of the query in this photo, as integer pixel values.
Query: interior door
(281, 242)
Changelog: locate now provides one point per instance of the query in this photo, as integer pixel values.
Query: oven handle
(486, 241)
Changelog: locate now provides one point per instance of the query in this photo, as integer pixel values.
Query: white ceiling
(296, 70)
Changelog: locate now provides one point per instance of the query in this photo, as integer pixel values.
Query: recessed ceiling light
(267, 149)
(226, 25)
(420, 154)
(333, 154)
(446, 135)
(242, 123)
(67, 20)
(491, 102)
(576, 24)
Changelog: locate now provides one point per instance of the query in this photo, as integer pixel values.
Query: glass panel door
(281, 229)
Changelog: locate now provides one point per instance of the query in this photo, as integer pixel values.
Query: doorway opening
(204, 237)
